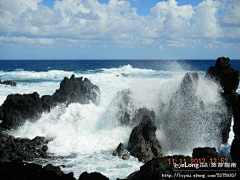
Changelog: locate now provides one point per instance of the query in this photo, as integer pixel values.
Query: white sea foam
(32, 75)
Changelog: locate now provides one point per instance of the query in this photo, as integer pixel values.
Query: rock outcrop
(92, 176)
(123, 107)
(207, 153)
(228, 78)
(11, 83)
(17, 108)
(178, 118)
(143, 142)
(14, 148)
(77, 90)
(19, 170)
(163, 168)
(226, 75)
(121, 152)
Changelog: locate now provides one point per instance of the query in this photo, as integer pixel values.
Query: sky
(119, 29)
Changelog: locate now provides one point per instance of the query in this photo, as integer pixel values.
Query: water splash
(89, 134)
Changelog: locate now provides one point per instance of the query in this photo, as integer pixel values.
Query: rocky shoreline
(15, 153)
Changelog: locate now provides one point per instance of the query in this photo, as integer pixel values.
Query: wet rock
(143, 142)
(206, 153)
(223, 73)
(55, 169)
(17, 108)
(44, 148)
(121, 152)
(163, 168)
(181, 111)
(92, 176)
(228, 78)
(189, 85)
(234, 101)
(141, 113)
(187, 113)
(11, 83)
(154, 169)
(235, 149)
(79, 90)
(124, 75)
(19, 170)
(14, 148)
(123, 106)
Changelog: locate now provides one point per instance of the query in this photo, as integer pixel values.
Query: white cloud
(207, 24)
(88, 22)
(231, 9)
(170, 20)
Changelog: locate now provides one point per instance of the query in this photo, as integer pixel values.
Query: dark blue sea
(84, 65)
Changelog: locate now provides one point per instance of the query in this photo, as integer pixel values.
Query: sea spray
(192, 119)
(86, 134)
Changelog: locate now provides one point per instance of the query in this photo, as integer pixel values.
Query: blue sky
(117, 29)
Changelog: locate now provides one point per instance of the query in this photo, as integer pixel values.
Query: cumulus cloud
(117, 23)
(231, 9)
(207, 24)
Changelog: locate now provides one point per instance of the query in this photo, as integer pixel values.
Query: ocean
(84, 136)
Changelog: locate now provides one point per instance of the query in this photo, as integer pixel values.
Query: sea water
(84, 136)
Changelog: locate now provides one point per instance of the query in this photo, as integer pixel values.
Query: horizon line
(108, 59)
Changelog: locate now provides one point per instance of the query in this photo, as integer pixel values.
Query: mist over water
(87, 134)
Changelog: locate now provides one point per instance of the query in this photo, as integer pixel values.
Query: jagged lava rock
(13, 148)
(121, 152)
(18, 170)
(227, 76)
(79, 90)
(11, 83)
(153, 170)
(123, 107)
(184, 107)
(206, 153)
(17, 108)
(92, 176)
(189, 85)
(235, 149)
(163, 168)
(143, 142)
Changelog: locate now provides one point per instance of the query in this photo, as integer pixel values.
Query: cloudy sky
(119, 29)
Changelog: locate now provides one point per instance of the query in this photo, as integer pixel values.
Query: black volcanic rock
(206, 153)
(189, 85)
(156, 168)
(143, 142)
(92, 176)
(18, 170)
(121, 152)
(123, 107)
(79, 90)
(13, 148)
(235, 149)
(185, 167)
(223, 73)
(181, 112)
(17, 108)
(11, 83)
(228, 78)
(234, 101)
